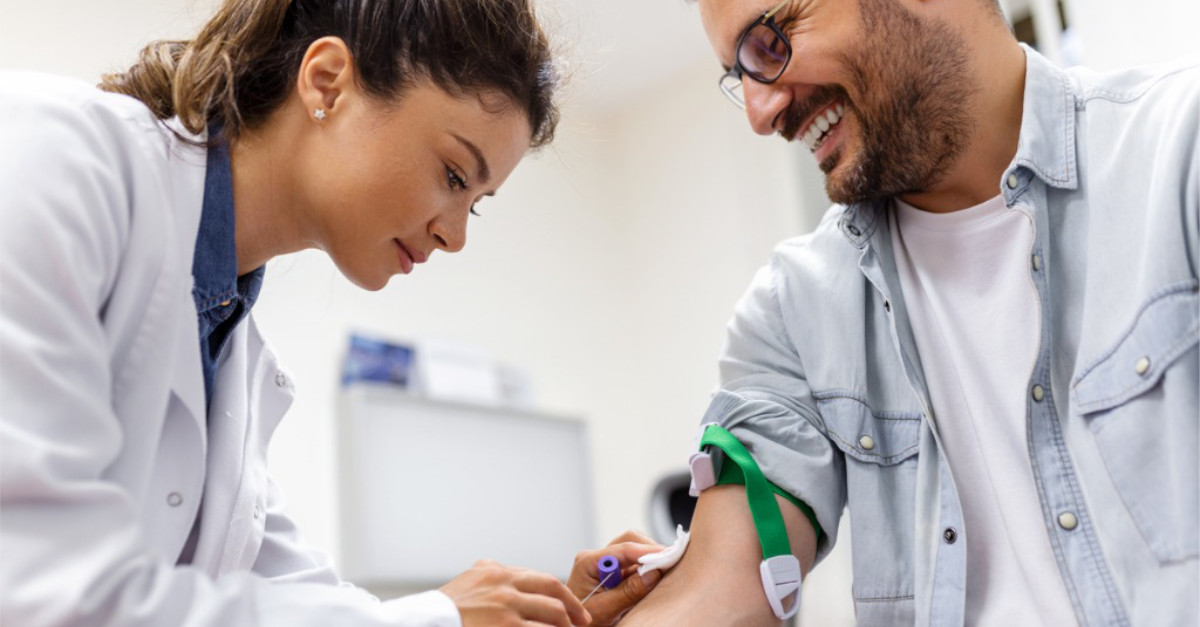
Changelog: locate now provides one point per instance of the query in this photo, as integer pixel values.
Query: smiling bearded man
(988, 350)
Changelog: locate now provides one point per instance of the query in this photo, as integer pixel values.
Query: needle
(606, 578)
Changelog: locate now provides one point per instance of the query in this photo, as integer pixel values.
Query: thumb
(608, 607)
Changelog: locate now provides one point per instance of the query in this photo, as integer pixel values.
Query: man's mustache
(799, 111)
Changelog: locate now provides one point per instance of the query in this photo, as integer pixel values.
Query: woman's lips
(407, 263)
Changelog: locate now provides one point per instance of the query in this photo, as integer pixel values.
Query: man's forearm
(717, 582)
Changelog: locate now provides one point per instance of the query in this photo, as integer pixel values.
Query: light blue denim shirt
(822, 381)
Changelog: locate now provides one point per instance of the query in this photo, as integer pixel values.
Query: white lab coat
(105, 451)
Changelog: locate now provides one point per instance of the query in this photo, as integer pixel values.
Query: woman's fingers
(492, 594)
(544, 610)
(607, 607)
(586, 574)
(553, 590)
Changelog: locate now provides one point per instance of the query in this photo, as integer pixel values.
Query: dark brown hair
(243, 64)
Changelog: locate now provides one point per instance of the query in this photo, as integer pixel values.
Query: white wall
(1116, 33)
(606, 268)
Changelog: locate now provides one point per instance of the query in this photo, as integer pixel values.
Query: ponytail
(195, 80)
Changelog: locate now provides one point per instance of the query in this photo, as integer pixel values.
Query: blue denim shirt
(821, 378)
(222, 297)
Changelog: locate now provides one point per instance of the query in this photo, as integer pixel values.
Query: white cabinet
(429, 487)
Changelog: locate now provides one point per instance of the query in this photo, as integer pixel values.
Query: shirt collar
(214, 264)
(1047, 141)
(1046, 144)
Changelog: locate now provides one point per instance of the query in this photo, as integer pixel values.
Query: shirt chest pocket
(880, 450)
(1140, 402)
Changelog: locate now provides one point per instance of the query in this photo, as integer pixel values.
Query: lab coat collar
(190, 158)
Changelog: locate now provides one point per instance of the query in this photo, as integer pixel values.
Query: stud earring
(319, 114)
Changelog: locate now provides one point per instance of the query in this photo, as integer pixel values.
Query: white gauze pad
(668, 557)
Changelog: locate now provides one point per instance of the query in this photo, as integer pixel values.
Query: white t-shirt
(975, 317)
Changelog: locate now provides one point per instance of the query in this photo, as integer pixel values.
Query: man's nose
(764, 103)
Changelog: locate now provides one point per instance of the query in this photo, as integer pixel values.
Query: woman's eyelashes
(454, 181)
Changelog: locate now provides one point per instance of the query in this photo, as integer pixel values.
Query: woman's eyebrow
(481, 163)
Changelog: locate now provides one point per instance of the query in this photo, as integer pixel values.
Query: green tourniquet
(772, 535)
(731, 474)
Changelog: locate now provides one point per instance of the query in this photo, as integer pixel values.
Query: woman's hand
(608, 606)
(493, 595)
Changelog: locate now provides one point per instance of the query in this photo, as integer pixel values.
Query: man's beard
(914, 88)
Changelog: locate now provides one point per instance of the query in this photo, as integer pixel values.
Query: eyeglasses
(762, 53)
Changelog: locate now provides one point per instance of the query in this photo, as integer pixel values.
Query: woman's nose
(449, 231)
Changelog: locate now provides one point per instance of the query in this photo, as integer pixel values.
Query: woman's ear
(326, 82)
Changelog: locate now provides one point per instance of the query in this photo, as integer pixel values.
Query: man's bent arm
(717, 582)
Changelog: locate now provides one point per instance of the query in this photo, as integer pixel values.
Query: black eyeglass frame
(738, 71)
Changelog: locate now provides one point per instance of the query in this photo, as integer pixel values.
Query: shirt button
(226, 303)
(1013, 181)
(867, 442)
(280, 379)
(854, 230)
(950, 535)
(257, 512)
(1068, 521)
(1142, 366)
(1037, 262)
(1039, 393)
(174, 499)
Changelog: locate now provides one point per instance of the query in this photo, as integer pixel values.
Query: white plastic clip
(704, 475)
(781, 581)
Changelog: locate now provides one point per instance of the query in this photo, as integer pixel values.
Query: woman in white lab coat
(138, 397)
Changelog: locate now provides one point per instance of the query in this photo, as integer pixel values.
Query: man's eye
(454, 181)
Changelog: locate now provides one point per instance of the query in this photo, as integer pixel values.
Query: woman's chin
(374, 284)
(367, 280)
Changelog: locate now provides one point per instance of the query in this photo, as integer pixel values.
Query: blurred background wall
(607, 267)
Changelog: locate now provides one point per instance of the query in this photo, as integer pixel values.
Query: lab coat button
(867, 442)
(280, 379)
(257, 512)
(1068, 521)
(1037, 263)
(1142, 366)
(1039, 393)
(1013, 181)
(174, 499)
(950, 535)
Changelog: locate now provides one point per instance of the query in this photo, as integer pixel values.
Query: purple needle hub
(610, 572)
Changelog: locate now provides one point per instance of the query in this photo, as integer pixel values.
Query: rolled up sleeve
(764, 399)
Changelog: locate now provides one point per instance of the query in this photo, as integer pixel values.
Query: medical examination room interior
(547, 382)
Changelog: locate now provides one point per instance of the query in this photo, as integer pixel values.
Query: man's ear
(326, 78)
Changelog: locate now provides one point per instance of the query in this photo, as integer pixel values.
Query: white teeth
(815, 133)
